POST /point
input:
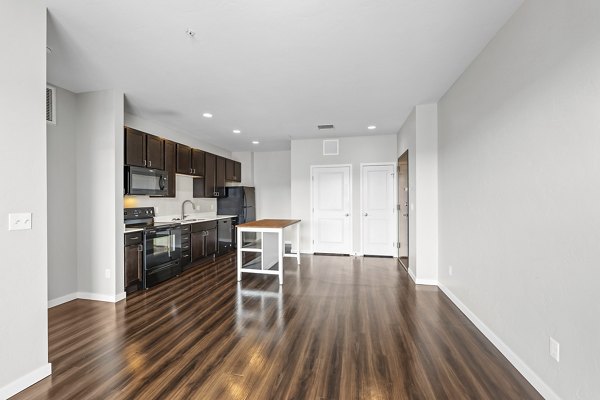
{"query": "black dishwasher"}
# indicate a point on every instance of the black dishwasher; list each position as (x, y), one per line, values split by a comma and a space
(225, 235)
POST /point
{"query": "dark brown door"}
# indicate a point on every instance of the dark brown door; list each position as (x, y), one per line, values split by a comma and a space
(220, 178)
(198, 246)
(210, 174)
(211, 242)
(197, 162)
(237, 176)
(170, 167)
(155, 152)
(135, 147)
(229, 170)
(184, 159)
(133, 265)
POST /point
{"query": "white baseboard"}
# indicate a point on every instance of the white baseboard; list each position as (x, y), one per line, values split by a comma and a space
(512, 357)
(86, 296)
(101, 297)
(25, 381)
(412, 276)
(428, 282)
(61, 300)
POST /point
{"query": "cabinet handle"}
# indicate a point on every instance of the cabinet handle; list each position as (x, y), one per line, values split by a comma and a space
(140, 248)
(150, 163)
(144, 163)
(134, 238)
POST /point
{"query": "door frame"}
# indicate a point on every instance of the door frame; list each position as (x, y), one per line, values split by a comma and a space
(395, 194)
(398, 215)
(312, 205)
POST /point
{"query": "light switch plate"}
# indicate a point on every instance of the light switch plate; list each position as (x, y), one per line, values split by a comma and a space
(19, 221)
(554, 349)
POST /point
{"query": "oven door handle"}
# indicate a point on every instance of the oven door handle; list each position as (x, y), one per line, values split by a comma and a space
(172, 248)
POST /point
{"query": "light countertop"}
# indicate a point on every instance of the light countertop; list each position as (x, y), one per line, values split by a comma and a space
(192, 219)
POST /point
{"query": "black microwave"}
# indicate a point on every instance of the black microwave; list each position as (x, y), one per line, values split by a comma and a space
(146, 181)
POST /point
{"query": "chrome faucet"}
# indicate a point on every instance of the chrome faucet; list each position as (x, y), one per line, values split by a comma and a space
(183, 208)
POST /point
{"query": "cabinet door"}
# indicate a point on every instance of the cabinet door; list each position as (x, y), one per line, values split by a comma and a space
(237, 177)
(170, 167)
(133, 265)
(184, 159)
(135, 147)
(197, 244)
(229, 170)
(211, 242)
(197, 162)
(220, 178)
(210, 161)
(155, 152)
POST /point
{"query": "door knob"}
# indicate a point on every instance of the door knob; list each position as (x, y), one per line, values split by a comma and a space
(347, 215)
(366, 214)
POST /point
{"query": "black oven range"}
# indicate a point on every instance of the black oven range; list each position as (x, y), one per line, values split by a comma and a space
(162, 245)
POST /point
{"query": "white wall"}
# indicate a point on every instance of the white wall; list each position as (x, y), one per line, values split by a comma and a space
(99, 141)
(354, 151)
(519, 174)
(23, 286)
(419, 135)
(272, 175)
(62, 197)
(426, 205)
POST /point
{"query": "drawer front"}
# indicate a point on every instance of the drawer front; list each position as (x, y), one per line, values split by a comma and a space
(204, 226)
(185, 229)
(186, 257)
(133, 238)
(185, 238)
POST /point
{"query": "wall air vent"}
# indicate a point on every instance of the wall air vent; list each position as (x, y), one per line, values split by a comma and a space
(51, 105)
(331, 147)
(326, 126)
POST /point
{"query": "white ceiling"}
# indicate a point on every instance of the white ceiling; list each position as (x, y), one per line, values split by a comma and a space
(272, 68)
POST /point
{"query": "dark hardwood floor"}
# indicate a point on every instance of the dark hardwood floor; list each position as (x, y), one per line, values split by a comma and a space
(339, 328)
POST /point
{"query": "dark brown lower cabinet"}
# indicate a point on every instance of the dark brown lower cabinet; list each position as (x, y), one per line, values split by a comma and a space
(134, 259)
(203, 240)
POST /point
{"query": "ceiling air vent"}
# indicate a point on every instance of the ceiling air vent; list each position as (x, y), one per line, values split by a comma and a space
(50, 105)
(331, 147)
(326, 126)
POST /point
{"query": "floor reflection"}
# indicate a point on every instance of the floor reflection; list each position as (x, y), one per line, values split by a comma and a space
(259, 308)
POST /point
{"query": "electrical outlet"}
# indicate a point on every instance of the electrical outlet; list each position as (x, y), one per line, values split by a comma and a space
(19, 221)
(107, 273)
(450, 271)
(554, 349)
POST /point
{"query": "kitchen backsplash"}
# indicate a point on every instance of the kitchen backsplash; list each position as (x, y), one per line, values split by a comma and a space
(172, 206)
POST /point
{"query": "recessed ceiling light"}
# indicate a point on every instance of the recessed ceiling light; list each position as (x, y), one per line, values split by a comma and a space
(190, 33)
(371, 127)
(207, 115)
(255, 142)
(237, 131)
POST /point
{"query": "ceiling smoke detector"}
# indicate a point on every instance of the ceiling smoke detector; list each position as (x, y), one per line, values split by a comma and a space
(190, 33)
(326, 126)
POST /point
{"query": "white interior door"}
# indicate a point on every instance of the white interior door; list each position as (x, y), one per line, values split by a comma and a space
(378, 210)
(332, 222)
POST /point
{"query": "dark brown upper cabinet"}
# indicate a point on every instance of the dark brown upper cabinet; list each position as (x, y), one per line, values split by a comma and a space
(189, 161)
(233, 171)
(210, 174)
(155, 152)
(171, 166)
(184, 159)
(237, 177)
(198, 162)
(143, 150)
(220, 177)
(213, 182)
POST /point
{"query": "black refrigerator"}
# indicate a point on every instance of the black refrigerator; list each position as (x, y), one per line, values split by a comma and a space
(240, 202)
